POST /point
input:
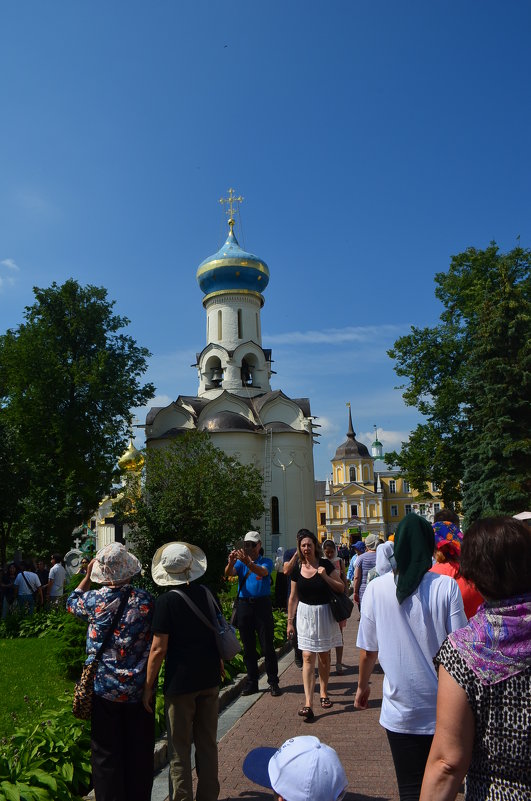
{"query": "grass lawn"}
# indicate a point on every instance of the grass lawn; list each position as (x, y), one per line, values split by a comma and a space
(28, 669)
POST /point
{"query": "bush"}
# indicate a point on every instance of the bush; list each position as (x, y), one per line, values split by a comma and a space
(49, 761)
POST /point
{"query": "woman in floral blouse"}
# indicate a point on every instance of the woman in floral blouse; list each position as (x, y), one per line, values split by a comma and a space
(122, 731)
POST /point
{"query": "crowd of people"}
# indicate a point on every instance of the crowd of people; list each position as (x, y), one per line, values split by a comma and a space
(27, 585)
(453, 642)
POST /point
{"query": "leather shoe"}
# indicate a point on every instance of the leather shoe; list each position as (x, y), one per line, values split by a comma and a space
(250, 689)
(275, 690)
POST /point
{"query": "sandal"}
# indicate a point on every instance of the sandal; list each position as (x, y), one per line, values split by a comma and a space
(306, 712)
(339, 669)
(325, 702)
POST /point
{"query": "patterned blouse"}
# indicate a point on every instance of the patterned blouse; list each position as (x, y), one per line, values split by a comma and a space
(122, 670)
(500, 769)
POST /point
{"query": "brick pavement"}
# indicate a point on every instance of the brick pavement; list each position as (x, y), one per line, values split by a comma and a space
(356, 735)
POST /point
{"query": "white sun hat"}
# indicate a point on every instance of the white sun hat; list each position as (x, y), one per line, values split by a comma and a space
(178, 563)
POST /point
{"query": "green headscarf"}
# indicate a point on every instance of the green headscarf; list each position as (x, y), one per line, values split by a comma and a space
(414, 546)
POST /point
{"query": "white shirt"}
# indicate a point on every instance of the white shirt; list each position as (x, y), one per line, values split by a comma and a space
(407, 636)
(57, 575)
(31, 578)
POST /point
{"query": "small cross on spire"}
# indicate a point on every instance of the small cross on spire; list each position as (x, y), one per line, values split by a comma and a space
(231, 200)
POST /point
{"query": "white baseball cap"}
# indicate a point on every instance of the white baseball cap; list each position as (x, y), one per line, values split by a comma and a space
(252, 536)
(303, 769)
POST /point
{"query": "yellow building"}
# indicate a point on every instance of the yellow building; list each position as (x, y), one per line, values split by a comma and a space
(360, 499)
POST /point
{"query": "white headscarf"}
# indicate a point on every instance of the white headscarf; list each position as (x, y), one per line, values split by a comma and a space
(385, 560)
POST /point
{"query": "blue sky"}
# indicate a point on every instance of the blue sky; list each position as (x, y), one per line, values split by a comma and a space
(371, 141)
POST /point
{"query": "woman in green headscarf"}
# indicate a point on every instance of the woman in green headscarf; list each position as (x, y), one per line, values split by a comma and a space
(405, 617)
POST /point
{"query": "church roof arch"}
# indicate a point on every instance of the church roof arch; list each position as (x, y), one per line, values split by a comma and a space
(281, 409)
(246, 349)
(214, 349)
(225, 402)
(161, 419)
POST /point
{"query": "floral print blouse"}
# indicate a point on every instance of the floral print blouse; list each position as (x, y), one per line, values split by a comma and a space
(122, 666)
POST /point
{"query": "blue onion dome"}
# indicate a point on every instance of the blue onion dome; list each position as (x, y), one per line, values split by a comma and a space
(232, 269)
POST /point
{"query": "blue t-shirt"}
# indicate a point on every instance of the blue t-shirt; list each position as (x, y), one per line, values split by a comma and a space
(255, 586)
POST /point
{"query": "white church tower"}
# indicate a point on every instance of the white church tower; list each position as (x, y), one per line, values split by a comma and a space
(235, 403)
(233, 359)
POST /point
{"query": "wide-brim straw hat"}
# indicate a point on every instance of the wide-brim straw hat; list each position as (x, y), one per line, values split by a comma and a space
(114, 565)
(178, 563)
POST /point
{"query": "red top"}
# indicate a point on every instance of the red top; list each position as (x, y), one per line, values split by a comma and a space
(472, 599)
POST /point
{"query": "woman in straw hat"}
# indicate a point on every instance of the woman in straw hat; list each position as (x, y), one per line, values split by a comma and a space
(122, 731)
(192, 674)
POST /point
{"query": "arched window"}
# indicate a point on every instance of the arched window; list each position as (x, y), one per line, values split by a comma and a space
(240, 335)
(352, 473)
(208, 327)
(258, 326)
(275, 516)
(220, 326)
(366, 473)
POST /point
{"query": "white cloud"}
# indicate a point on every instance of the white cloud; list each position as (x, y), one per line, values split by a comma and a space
(391, 440)
(328, 426)
(10, 267)
(334, 336)
(10, 264)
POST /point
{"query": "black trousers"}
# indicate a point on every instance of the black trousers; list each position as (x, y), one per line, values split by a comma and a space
(122, 743)
(255, 616)
(410, 754)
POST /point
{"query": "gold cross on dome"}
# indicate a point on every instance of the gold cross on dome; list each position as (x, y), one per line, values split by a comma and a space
(231, 200)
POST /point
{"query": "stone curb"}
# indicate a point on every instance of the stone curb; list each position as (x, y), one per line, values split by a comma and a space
(226, 696)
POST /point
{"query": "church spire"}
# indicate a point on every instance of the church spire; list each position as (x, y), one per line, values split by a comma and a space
(351, 434)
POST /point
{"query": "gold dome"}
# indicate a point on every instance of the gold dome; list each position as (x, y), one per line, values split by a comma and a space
(132, 459)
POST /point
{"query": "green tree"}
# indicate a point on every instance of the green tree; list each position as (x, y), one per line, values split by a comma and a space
(69, 377)
(469, 377)
(195, 493)
(13, 486)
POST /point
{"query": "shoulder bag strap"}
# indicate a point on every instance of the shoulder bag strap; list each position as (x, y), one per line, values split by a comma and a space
(214, 607)
(32, 591)
(114, 621)
(195, 609)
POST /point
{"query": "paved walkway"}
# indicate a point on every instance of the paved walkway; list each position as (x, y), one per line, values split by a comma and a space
(356, 736)
(262, 720)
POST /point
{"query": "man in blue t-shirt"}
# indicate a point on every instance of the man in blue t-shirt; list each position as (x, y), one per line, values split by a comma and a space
(255, 612)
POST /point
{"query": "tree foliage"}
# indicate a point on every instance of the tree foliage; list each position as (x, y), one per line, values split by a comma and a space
(195, 493)
(470, 378)
(68, 379)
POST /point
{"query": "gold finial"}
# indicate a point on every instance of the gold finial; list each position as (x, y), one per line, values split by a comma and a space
(231, 199)
(348, 405)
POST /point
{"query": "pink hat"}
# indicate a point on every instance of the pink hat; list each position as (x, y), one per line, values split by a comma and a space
(114, 565)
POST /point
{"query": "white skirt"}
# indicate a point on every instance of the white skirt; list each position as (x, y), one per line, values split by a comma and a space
(317, 629)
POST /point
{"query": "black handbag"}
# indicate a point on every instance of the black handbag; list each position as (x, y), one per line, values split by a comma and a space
(341, 605)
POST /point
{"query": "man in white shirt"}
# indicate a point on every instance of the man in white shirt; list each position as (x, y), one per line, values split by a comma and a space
(28, 589)
(56, 579)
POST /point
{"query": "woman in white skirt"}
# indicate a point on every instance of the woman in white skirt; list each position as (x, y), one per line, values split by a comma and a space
(317, 630)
